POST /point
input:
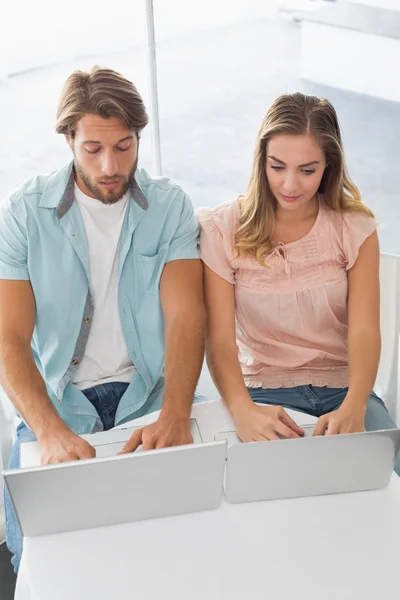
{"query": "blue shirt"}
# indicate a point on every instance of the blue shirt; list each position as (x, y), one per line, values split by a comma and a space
(43, 239)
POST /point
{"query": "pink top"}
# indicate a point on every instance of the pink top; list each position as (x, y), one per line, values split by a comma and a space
(291, 318)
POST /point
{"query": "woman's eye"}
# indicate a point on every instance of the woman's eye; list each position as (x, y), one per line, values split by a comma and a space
(276, 168)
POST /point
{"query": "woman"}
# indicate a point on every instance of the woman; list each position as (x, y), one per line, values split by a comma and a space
(292, 284)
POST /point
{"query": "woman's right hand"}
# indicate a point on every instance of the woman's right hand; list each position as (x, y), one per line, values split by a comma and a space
(256, 423)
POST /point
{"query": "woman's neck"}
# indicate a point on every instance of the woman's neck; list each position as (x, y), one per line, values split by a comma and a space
(309, 211)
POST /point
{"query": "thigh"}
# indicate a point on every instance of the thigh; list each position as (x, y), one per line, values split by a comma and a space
(377, 416)
(105, 398)
(292, 398)
(329, 399)
(24, 434)
(13, 531)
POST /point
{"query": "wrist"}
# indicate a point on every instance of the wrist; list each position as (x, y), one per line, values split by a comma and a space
(176, 410)
(51, 429)
(356, 402)
(238, 405)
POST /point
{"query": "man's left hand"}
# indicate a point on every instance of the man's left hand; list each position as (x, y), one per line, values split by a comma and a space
(165, 432)
(346, 419)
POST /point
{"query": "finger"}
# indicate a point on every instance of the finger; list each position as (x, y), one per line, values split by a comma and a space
(264, 437)
(182, 440)
(149, 441)
(134, 442)
(285, 418)
(71, 456)
(284, 430)
(272, 436)
(333, 427)
(163, 443)
(320, 427)
(84, 452)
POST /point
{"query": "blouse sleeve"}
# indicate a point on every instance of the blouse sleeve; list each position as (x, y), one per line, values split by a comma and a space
(356, 228)
(215, 243)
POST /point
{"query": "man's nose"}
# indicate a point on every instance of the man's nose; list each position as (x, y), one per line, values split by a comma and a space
(109, 166)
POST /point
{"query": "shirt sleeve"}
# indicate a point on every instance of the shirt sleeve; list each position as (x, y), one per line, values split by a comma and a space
(357, 227)
(13, 241)
(213, 249)
(184, 244)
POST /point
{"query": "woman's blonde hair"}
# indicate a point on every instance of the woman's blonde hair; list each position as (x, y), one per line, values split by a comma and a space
(100, 92)
(294, 114)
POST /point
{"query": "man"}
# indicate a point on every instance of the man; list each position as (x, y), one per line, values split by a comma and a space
(101, 305)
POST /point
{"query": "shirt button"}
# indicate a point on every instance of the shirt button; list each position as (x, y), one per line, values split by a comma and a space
(74, 362)
(86, 320)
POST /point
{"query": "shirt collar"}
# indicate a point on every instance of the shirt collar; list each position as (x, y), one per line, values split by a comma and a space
(59, 191)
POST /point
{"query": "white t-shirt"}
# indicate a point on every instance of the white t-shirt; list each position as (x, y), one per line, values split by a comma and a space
(106, 357)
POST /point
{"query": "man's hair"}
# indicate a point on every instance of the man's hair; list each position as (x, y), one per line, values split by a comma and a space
(100, 92)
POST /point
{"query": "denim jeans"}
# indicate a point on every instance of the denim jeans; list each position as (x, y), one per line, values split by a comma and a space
(105, 398)
(318, 401)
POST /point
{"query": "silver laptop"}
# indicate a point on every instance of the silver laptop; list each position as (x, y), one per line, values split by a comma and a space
(309, 466)
(117, 489)
(106, 443)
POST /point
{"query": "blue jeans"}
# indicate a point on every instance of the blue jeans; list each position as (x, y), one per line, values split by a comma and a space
(105, 398)
(318, 401)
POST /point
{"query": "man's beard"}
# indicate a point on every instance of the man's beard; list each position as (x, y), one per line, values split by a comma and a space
(107, 196)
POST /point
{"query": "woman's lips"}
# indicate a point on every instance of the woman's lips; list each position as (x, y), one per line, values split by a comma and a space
(290, 198)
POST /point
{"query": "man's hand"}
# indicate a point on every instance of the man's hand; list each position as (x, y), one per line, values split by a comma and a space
(165, 432)
(63, 446)
(260, 423)
(346, 419)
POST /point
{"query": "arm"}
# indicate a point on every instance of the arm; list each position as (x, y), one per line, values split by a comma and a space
(18, 372)
(181, 292)
(221, 349)
(252, 422)
(364, 336)
(22, 381)
(364, 341)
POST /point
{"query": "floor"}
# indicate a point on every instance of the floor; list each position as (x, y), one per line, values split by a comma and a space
(7, 576)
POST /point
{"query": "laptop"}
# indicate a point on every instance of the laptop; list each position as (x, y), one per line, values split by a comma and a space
(308, 466)
(106, 443)
(110, 490)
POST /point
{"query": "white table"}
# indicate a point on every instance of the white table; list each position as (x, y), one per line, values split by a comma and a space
(341, 547)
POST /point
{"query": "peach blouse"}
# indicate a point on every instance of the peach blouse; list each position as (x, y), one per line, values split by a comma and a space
(291, 316)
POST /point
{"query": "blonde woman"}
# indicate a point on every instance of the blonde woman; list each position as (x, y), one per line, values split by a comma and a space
(292, 284)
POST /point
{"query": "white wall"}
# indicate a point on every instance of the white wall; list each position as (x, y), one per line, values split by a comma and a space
(44, 32)
(391, 4)
(351, 60)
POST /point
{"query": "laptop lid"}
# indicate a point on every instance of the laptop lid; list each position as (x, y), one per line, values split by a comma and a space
(309, 466)
(117, 489)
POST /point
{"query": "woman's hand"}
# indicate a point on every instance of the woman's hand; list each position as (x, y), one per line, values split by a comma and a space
(346, 419)
(260, 423)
